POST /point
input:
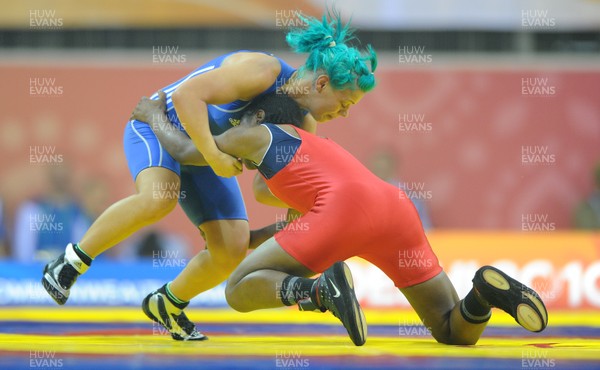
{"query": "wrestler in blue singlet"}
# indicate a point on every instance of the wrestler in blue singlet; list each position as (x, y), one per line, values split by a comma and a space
(207, 197)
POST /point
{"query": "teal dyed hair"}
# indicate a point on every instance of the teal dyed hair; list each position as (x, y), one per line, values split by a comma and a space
(325, 42)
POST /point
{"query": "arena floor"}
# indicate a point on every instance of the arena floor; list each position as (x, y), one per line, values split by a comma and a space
(122, 338)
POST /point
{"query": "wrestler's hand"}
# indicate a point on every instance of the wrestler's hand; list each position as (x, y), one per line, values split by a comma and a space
(148, 110)
(223, 164)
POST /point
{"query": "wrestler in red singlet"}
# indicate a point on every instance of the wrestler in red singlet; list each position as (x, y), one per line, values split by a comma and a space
(347, 211)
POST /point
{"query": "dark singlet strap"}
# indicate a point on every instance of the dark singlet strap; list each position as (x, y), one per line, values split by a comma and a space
(281, 151)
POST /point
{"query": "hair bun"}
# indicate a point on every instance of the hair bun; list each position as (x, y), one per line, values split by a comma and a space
(326, 43)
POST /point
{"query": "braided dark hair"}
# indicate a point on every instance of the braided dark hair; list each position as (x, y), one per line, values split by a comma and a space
(279, 109)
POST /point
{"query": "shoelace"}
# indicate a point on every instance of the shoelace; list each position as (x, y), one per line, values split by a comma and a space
(327, 298)
(188, 327)
(67, 276)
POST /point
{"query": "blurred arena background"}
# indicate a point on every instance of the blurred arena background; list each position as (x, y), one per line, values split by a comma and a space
(486, 114)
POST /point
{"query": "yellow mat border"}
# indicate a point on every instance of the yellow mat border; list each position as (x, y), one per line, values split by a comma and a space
(272, 346)
(272, 316)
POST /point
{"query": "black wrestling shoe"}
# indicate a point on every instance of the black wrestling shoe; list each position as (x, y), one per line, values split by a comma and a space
(511, 296)
(159, 309)
(335, 293)
(60, 275)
